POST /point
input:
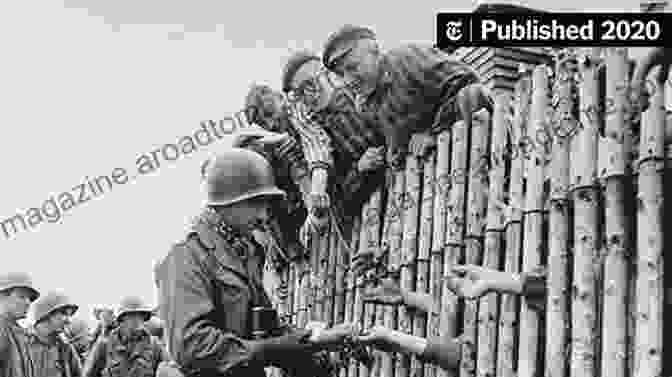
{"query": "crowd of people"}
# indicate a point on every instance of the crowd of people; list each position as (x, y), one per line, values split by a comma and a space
(319, 147)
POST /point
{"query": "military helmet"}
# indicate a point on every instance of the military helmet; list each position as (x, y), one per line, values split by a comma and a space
(236, 175)
(12, 280)
(132, 304)
(50, 303)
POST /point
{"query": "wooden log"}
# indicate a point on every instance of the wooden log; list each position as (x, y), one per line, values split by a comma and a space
(424, 248)
(650, 264)
(557, 308)
(440, 218)
(395, 237)
(613, 173)
(508, 326)
(410, 206)
(475, 229)
(583, 169)
(349, 304)
(489, 306)
(533, 215)
(455, 230)
(359, 309)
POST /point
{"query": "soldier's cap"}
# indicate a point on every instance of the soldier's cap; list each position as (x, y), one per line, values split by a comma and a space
(51, 303)
(11, 280)
(338, 43)
(294, 63)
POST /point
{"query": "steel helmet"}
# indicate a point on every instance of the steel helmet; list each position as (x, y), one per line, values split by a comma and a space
(236, 175)
(12, 280)
(50, 303)
(132, 304)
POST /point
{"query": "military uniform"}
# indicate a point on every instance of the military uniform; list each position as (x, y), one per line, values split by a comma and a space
(15, 359)
(54, 357)
(210, 281)
(137, 355)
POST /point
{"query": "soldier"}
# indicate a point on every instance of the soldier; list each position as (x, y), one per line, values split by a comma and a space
(106, 323)
(78, 334)
(130, 350)
(411, 92)
(357, 144)
(16, 295)
(52, 356)
(218, 317)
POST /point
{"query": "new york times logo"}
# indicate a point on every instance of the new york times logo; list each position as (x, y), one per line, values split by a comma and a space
(557, 29)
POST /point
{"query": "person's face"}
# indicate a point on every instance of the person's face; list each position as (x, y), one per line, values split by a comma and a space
(133, 321)
(58, 320)
(249, 215)
(107, 317)
(312, 85)
(360, 67)
(16, 302)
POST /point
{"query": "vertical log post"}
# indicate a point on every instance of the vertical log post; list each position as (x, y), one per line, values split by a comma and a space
(534, 217)
(612, 172)
(455, 237)
(410, 206)
(440, 219)
(424, 247)
(583, 169)
(476, 215)
(508, 326)
(557, 303)
(494, 233)
(649, 301)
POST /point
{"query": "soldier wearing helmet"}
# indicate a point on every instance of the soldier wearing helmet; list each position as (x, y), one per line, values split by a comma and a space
(106, 323)
(217, 315)
(130, 350)
(52, 355)
(79, 336)
(16, 294)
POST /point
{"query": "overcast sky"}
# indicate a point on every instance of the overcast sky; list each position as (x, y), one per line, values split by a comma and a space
(87, 86)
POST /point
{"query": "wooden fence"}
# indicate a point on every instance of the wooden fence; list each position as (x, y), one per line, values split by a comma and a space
(563, 176)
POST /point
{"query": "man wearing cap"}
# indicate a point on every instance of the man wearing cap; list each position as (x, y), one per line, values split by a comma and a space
(130, 350)
(51, 354)
(16, 294)
(357, 144)
(412, 91)
(217, 314)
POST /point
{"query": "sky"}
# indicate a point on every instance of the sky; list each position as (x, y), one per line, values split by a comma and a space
(89, 86)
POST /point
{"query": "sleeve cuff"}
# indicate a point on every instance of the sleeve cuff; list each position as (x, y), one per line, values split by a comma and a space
(445, 354)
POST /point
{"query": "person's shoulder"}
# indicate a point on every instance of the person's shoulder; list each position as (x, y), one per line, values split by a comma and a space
(415, 50)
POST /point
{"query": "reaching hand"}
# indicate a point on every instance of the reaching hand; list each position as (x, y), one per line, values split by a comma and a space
(388, 292)
(335, 337)
(421, 144)
(258, 135)
(372, 159)
(474, 281)
(379, 337)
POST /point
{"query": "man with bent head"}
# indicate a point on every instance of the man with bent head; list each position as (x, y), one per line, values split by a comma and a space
(51, 354)
(16, 295)
(412, 91)
(357, 145)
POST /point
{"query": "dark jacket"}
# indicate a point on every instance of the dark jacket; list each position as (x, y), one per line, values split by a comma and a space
(137, 356)
(54, 357)
(15, 360)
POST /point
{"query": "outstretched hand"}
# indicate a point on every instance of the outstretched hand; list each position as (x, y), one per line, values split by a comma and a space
(473, 281)
(334, 337)
(387, 292)
(258, 135)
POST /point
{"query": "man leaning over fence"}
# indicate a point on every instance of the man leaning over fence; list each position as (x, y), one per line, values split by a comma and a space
(413, 92)
(357, 145)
